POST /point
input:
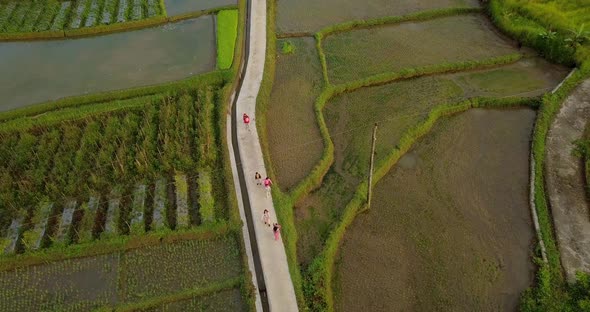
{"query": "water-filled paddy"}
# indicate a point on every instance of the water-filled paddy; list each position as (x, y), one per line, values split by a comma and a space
(178, 7)
(295, 143)
(135, 275)
(361, 53)
(451, 219)
(224, 301)
(311, 15)
(38, 71)
(397, 107)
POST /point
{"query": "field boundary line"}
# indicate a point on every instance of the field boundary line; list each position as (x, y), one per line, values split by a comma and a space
(117, 244)
(322, 267)
(110, 29)
(315, 177)
(183, 295)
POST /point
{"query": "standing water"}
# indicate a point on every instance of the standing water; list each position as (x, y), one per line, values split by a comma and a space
(39, 71)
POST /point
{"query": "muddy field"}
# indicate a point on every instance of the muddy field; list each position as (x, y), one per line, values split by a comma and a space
(450, 227)
(295, 16)
(361, 53)
(110, 62)
(397, 107)
(294, 137)
(223, 301)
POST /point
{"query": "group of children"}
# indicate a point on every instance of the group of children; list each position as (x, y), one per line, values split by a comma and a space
(266, 214)
(276, 228)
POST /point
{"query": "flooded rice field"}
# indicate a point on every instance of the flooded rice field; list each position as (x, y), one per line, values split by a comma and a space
(224, 301)
(111, 62)
(397, 107)
(361, 53)
(295, 149)
(295, 16)
(451, 219)
(135, 275)
(179, 7)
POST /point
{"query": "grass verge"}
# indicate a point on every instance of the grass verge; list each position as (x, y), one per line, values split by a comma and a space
(227, 31)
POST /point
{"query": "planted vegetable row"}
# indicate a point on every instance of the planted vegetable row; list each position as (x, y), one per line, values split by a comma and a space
(121, 172)
(35, 16)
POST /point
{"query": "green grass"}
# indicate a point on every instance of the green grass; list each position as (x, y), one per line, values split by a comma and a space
(227, 31)
(288, 47)
(39, 15)
(558, 29)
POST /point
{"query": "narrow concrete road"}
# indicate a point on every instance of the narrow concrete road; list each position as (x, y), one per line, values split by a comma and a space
(565, 182)
(267, 258)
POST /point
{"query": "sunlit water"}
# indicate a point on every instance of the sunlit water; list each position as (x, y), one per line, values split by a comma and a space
(39, 71)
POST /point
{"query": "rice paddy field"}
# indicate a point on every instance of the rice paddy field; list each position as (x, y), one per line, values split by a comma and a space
(179, 7)
(449, 227)
(127, 277)
(111, 62)
(115, 198)
(357, 54)
(462, 242)
(309, 16)
(295, 149)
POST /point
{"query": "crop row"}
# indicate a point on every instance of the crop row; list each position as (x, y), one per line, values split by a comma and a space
(36, 16)
(170, 270)
(107, 173)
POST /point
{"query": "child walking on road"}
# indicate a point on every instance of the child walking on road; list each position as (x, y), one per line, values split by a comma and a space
(246, 121)
(267, 184)
(266, 217)
(257, 178)
(276, 228)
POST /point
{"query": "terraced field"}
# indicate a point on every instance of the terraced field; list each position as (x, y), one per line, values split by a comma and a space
(135, 169)
(119, 200)
(127, 277)
(404, 73)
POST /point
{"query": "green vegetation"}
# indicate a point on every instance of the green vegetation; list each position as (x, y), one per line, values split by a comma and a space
(325, 217)
(288, 47)
(106, 153)
(40, 19)
(142, 139)
(227, 32)
(307, 16)
(127, 278)
(556, 28)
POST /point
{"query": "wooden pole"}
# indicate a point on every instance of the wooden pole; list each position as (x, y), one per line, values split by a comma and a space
(370, 186)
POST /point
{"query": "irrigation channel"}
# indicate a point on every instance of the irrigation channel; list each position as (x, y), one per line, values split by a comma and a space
(111, 62)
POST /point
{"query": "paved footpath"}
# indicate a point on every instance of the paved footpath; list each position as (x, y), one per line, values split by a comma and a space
(273, 260)
(565, 182)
